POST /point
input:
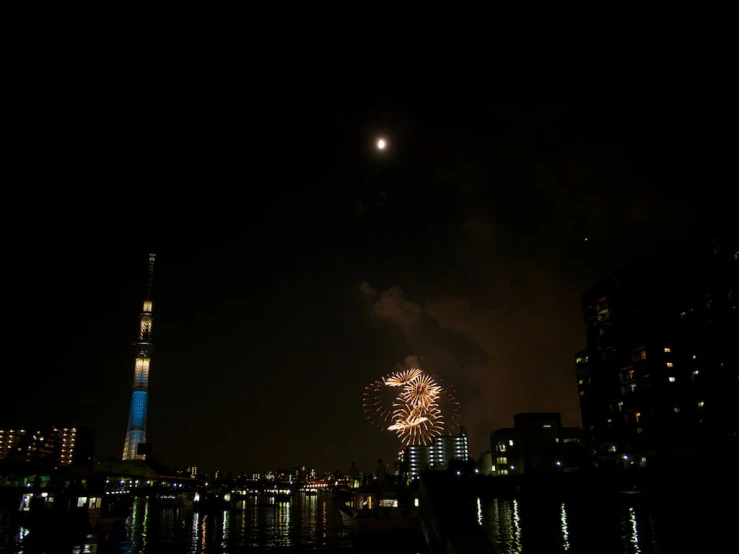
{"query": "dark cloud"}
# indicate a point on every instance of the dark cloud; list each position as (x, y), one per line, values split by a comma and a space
(391, 304)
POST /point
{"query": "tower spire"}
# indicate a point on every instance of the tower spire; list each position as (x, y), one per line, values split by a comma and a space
(143, 347)
(150, 283)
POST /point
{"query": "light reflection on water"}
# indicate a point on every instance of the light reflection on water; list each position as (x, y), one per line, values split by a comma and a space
(565, 531)
(530, 525)
(611, 524)
(255, 524)
(634, 531)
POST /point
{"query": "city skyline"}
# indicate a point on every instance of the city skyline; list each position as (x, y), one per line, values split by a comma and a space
(295, 277)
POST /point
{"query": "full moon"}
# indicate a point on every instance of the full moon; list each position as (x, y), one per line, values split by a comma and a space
(381, 144)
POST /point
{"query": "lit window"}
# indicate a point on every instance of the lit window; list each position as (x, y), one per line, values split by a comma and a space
(510, 442)
(671, 379)
(701, 404)
(669, 364)
(643, 355)
(639, 430)
(696, 372)
(676, 410)
(682, 314)
(667, 350)
(637, 415)
(582, 393)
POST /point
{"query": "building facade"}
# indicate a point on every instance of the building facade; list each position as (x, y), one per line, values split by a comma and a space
(536, 444)
(660, 376)
(143, 347)
(437, 454)
(52, 445)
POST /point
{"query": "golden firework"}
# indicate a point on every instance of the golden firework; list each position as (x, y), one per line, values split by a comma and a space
(413, 404)
(401, 378)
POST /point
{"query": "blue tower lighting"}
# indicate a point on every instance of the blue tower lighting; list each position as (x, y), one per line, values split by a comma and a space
(136, 432)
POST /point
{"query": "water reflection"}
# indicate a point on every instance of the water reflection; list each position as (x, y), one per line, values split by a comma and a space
(565, 531)
(549, 525)
(194, 532)
(203, 532)
(624, 524)
(224, 532)
(255, 523)
(634, 531)
(500, 519)
(324, 525)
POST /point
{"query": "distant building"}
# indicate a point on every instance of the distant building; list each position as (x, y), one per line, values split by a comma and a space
(437, 454)
(73, 446)
(660, 376)
(537, 443)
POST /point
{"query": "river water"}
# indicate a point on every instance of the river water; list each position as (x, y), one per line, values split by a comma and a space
(619, 523)
(258, 524)
(628, 524)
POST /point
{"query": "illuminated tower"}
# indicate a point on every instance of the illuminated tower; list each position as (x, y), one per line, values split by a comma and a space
(136, 433)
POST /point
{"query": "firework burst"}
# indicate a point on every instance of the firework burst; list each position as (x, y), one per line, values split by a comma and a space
(413, 404)
(401, 378)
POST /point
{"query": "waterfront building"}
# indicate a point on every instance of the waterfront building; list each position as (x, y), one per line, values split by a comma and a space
(50, 445)
(143, 347)
(537, 443)
(659, 379)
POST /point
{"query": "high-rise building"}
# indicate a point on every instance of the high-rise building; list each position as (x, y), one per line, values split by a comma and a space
(143, 347)
(437, 454)
(660, 376)
(50, 445)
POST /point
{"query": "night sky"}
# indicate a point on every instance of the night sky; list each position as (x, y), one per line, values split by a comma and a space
(296, 263)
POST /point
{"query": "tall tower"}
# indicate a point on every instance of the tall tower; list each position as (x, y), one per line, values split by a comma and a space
(136, 433)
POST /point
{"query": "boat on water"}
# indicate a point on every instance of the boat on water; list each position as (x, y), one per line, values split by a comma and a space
(170, 500)
(64, 508)
(280, 495)
(113, 511)
(374, 509)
